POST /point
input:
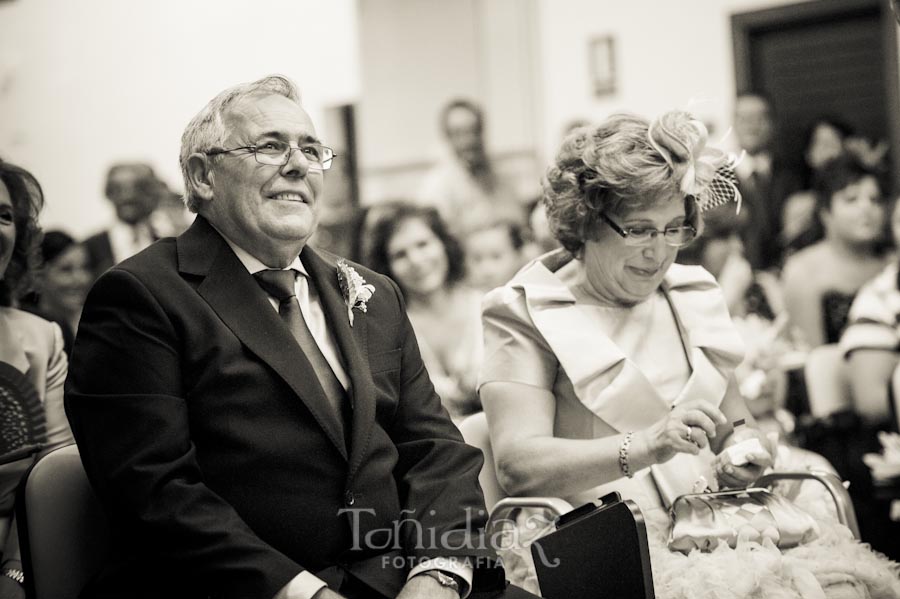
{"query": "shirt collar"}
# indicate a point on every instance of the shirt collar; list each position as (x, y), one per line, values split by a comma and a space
(754, 163)
(252, 263)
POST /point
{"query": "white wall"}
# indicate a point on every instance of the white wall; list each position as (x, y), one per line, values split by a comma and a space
(86, 83)
(667, 53)
(416, 55)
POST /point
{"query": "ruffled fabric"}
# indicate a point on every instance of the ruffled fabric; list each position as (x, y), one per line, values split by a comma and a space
(834, 565)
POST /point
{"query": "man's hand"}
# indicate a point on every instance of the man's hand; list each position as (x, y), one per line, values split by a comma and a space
(10, 589)
(425, 587)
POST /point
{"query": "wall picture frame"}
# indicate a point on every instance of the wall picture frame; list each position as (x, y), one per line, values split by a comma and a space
(603, 64)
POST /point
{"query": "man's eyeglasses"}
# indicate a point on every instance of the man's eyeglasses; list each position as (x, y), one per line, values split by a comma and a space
(673, 236)
(278, 153)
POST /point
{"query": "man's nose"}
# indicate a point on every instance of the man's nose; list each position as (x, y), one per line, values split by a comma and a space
(297, 164)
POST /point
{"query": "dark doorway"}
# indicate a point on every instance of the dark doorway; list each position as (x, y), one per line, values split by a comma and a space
(339, 214)
(832, 57)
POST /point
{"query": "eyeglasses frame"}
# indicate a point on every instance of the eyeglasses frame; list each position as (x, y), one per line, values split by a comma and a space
(290, 152)
(625, 234)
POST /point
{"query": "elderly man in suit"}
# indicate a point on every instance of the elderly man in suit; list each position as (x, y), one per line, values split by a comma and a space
(253, 414)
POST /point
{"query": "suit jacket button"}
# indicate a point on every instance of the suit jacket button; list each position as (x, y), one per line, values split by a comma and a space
(349, 499)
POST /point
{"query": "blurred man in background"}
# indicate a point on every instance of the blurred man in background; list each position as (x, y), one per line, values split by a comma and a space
(763, 178)
(466, 179)
(135, 192)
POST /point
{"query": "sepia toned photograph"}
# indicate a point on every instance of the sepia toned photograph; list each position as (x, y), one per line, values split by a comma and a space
(450, 299)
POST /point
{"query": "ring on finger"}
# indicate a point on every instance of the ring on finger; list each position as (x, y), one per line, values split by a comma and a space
(689, 437)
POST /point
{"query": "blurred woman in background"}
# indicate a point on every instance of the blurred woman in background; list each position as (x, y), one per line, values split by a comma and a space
(32, 363)
(411, 244)
(495, 248)
(821, 280)
(823, 142)
(62, 284)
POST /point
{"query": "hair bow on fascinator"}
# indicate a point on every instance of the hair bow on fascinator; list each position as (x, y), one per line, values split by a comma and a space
(709, 176)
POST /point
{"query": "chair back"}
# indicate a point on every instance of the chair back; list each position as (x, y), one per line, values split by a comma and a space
(827, 385)
(474, 430)
(894, 398)
(63, 533)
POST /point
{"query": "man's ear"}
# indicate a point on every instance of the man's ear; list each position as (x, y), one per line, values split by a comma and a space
(200, 175)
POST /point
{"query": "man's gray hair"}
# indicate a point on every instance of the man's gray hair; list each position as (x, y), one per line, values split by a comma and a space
(206, 131)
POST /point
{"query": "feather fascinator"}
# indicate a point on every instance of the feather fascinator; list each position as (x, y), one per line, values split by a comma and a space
(708, 172)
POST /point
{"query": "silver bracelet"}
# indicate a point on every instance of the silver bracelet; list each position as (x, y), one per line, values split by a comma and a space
(623, 454)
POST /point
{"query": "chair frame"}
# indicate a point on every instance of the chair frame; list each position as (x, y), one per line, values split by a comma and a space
(83, 541)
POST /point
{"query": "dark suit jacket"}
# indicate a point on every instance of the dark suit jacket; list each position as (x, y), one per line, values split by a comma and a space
(759, 223)
(100, 254)
(211, 444)
(764, 202)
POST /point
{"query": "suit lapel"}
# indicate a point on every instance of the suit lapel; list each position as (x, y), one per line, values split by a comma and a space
(244, 308)
(353, 345)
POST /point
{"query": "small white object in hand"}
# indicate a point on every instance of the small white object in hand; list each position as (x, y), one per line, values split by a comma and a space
(701, 485)
(737, 453)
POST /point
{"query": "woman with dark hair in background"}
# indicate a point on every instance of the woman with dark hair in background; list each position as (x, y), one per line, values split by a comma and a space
(412, 245)
(62, 284)
(825, 139)
(823, 142)
(32, 363)
(821, 280)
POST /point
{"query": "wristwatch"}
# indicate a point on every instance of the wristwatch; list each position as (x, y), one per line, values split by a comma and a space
(15, 574)
(445, 580)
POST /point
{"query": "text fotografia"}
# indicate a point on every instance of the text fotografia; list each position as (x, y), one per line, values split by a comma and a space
(409, 535)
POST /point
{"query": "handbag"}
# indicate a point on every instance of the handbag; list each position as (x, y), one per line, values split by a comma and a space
(596, 551)
(703, 520)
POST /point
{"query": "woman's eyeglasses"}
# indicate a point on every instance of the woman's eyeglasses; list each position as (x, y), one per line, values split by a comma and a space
(674, 236)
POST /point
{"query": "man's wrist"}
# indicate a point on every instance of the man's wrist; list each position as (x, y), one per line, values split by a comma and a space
(445, 580)
(458, 568)
(14, 574)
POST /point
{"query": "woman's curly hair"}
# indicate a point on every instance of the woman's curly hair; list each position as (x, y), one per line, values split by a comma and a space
(615, 167)
(27, 200)
(383, 222)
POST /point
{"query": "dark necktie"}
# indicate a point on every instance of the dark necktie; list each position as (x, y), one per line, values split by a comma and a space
(280, 285)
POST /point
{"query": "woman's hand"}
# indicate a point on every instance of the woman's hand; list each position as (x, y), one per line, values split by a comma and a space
(686, 429)
(730, 475)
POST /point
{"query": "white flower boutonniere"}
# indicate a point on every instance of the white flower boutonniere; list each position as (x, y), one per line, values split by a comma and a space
(355, 289)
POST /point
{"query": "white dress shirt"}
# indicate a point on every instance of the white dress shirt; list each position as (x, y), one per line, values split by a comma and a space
(761, 164)
(307, 584)
(127, 240)
(310, 307)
